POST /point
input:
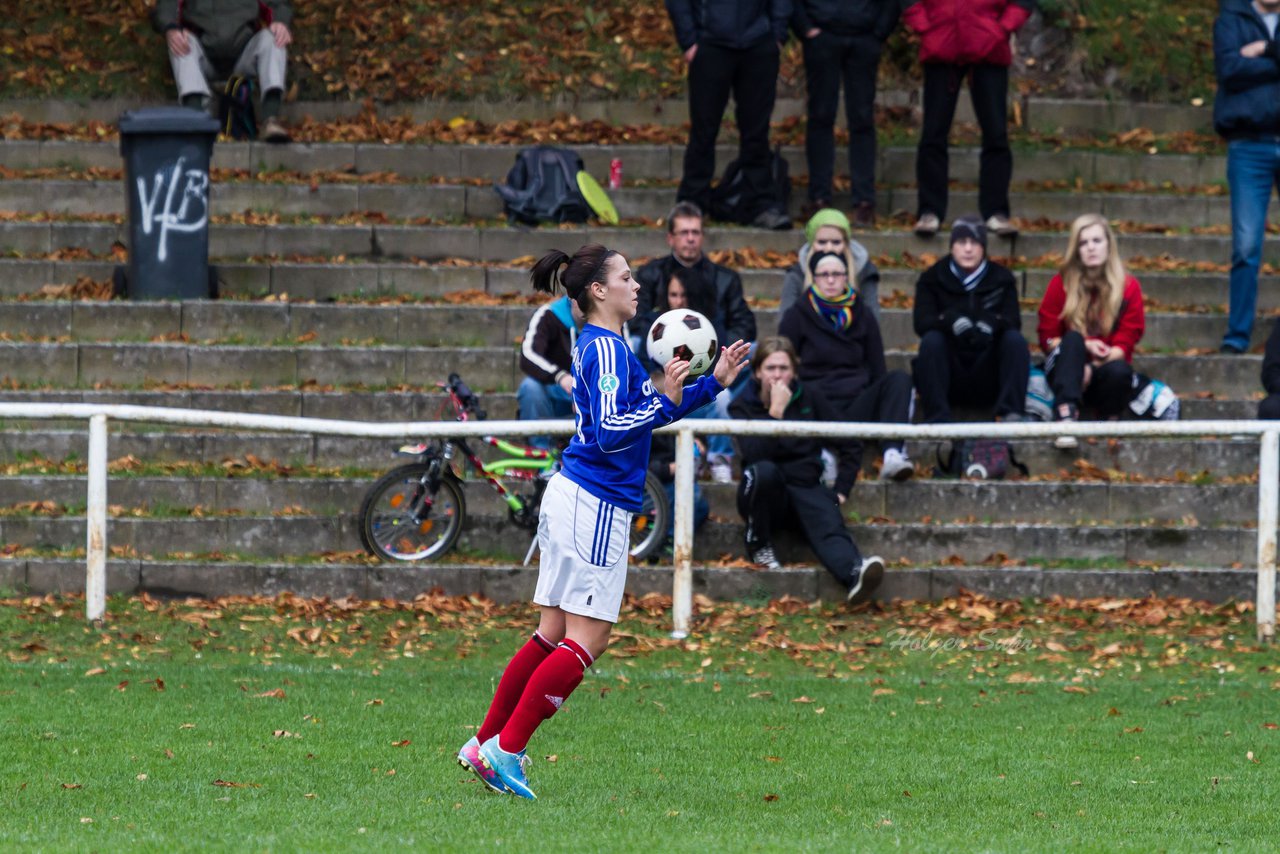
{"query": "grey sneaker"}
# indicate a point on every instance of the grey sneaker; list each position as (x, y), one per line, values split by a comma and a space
(772, 219)
(273, 131)
(763, 557)
(896, 465)
(1002, 225)
(867, 580)
(927, 225)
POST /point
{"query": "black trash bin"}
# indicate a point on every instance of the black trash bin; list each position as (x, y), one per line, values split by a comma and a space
(166, 154)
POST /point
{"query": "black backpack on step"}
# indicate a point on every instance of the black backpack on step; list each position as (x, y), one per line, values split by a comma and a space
(727, 202)
(542, 186)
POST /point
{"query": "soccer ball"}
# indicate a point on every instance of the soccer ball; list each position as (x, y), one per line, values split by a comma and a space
(683, 333)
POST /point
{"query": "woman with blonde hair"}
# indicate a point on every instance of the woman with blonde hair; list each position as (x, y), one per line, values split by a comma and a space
(1091, 318)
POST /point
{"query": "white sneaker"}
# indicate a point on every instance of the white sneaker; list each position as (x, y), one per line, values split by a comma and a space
(869, 577)
(764, 557)
(721, 469)
(829, 468)
(1066, 443)
(896, 465)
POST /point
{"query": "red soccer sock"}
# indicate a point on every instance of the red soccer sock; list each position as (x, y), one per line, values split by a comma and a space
(548, 688)
(511, 685)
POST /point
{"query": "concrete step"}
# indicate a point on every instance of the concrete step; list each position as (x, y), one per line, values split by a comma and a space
(429, 325)
(495, 536)
(640, 162)
(1002, 501)
(137, 365)
(1050, 115)
(507, 583)
(457, 202)
(370, 279)
(1218, 456)
(489, 243)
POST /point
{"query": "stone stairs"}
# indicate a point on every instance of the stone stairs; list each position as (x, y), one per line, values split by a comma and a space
(357, 293)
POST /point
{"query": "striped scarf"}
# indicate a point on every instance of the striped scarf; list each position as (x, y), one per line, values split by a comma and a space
(839, 311)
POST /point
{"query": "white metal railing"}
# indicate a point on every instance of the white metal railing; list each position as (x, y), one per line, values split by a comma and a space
(1268, 433)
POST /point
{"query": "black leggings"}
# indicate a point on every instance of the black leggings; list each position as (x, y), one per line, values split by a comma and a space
(1110, 389)
(766, 501)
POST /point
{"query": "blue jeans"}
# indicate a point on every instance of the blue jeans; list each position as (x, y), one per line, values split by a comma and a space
(542, 400)
(1253, 169)
(701, 507)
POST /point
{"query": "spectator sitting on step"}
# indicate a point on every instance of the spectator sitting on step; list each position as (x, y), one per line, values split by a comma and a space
(733, 317)
(222, 38)
(966, 314)
(687, 289)
(1269, 406)
(1091, 318)
(828, 230)
(546, 358)
(781, 488)
(841, 353)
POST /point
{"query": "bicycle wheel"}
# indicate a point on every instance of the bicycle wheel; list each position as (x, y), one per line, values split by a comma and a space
(649, 526)
(401, 519)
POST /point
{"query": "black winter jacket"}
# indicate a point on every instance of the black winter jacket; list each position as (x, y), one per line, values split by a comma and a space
(846, 17)
(729, 23)
(1248, 99)
(838, 363)
(734, 319)
(941, 299)
(799, 458)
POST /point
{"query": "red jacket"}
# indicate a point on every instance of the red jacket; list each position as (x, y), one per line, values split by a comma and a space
(1125, 333)
(966, 32)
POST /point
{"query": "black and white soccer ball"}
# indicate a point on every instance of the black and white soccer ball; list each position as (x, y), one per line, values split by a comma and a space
(683, 333)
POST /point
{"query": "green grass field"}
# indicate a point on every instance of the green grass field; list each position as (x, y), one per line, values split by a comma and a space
(293, 725)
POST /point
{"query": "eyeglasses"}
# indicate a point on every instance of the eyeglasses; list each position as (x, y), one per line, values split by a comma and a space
(831, 275)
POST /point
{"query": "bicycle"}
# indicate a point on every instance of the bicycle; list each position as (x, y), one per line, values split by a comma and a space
(416, 512)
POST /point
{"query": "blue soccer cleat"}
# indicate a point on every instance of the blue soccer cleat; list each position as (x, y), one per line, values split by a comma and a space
(469, 758)
(510, 768)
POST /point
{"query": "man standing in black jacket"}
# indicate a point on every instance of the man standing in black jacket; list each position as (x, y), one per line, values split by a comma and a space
(842, 42)
(731, 46)
(966, 314)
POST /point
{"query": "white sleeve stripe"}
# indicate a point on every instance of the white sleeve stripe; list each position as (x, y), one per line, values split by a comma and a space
(526, 347)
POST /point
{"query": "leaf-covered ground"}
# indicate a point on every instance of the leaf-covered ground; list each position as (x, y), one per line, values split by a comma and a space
(512, 49)
(293, 724)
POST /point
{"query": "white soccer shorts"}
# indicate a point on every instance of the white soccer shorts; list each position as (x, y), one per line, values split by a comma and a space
(584, 543)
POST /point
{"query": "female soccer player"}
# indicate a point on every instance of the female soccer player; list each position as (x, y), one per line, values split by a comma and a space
(587, 506)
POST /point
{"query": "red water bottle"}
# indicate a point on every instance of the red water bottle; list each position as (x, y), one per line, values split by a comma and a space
(615, 173)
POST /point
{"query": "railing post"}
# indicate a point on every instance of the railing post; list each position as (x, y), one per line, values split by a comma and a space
(682, 568)
(1268, 488)
(95, 578)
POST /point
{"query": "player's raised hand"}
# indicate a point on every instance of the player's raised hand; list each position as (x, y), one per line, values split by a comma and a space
(732, 359)
(673, 386)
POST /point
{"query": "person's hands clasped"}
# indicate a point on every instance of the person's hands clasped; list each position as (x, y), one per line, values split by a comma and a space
(732, 360)
(673, 381)
(179, 41)
(281, 34)
(1099, 350)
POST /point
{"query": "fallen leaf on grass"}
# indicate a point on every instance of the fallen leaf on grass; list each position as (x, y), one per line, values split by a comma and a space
(78, 786)
(881, 692)
(97, 671)
(227, 784)
(404, 743)
(275, 694)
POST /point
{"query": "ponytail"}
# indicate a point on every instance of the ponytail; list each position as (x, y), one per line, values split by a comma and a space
(546, 272)
(586, 266)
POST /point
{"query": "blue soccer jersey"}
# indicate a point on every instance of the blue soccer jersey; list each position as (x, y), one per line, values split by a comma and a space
(616, 409)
